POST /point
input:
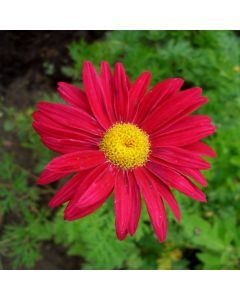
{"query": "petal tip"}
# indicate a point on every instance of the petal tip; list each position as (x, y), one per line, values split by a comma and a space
(121, 234)
(52, 205)
(40, 181)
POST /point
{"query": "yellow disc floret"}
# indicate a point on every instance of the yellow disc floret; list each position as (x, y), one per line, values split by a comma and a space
(126, 145)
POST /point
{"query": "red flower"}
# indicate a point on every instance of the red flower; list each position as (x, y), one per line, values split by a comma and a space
(116, 136)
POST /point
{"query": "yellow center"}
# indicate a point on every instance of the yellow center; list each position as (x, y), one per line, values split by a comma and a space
(126, 145)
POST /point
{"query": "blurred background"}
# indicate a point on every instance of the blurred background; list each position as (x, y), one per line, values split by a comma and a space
(33, 236)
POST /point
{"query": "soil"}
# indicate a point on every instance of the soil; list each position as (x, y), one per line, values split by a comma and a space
(23, 78)
(24, 55)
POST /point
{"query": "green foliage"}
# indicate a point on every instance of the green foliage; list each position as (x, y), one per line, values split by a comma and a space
(93, 237)
(208, 236)
(23, 242)
(13, 185)
(219, 241)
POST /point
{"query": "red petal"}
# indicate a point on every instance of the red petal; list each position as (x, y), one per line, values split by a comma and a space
(136, 204)
(69, 117)
(183, 138)
(174, 109)
(193, 173)
(73, 95)
(153, 202)
(81, 212)
(76, 161)
(201, 149)
(169, 199)
(92, 192)
(177, 181)
(122, 204)
(64, 146)
(127, 204)
(48, 176)
(157, 96)
(137, 91)
(64, 133)
(180, 157)
(186, 123)
(68, 189)
(121, 100)
(95, 94)
(167, 195)
(107, 85)
(40, 118)
(128, 82)
(187, 132)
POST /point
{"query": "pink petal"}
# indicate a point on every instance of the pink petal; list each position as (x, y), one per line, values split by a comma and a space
(121, 97)
(61, 138)
(153, 202)
(177, 181)
(186, 123)
(193, 173)
(166, 195)
(68, 189)
(137, 91)
(122, 204)
(180, 157)
(69, 117)
(92, 192)
(81, 212)
(174, 109)
(107, 85)
(128, 82)
(40, 118)
(201, 149)
(64, 133)
(76, 161)
(169, 198)
(73, 95)
(157, 96)
(182, 134)
(95, 94)
(136, 204)
(64, 146)
(48, 176)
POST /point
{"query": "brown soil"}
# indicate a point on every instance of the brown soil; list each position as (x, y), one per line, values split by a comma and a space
(24, 55)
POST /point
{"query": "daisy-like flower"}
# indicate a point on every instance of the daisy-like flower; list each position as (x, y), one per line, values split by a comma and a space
(116, 136)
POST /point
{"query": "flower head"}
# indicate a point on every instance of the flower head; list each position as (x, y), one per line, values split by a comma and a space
(126, 146)
(116, 136)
